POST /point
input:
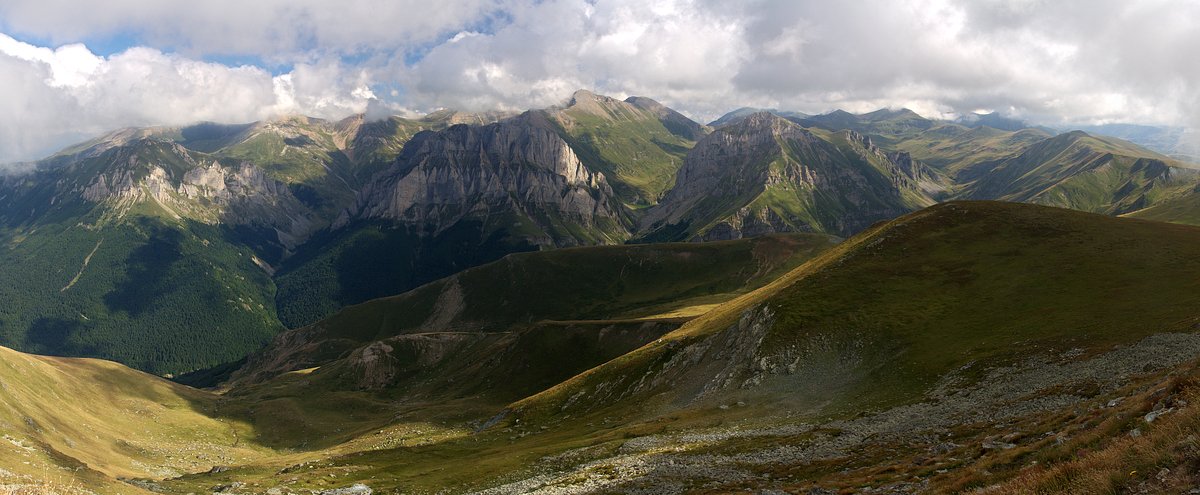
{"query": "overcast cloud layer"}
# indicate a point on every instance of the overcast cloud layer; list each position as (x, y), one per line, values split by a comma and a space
(1047, 61)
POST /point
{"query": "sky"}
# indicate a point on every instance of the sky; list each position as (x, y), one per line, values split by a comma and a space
(73, 69)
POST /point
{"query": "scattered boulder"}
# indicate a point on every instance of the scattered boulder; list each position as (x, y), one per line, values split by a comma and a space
(229, 488)
(1153, 415)
(997, 445)
(356, 489)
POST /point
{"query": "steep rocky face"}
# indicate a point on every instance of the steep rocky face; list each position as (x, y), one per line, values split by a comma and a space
(904, 172)
(156, 177)
(373, 144)
(514, 168)
(767, 174)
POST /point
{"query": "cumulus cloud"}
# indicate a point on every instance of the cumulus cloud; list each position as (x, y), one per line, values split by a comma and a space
(1051, 61)
(1048, 61)
(52, 97)
(676, 51)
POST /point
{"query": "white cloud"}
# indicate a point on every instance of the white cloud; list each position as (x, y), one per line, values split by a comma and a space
(52, 96)
(673, 50)
(1052, 61)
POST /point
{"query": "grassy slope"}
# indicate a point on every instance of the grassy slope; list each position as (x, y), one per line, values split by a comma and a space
(963, 282)
(631, 146)
(951, 147)
(826, 209)
(1111, 459)
(1183, 208)
(955, 283)
(1079, 171)
(84, 422)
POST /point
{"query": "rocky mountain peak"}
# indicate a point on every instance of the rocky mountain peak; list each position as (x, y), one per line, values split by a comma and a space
(582, 96)
(591, 103)
(765, 173)
(764, 120)
(443, 177)
(766, 126)
(646, 103)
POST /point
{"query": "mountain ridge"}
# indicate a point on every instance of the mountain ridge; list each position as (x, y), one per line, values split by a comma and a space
(332, 214)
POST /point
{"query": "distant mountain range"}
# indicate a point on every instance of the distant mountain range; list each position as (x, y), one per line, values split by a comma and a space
(180, 249)
(1176, 142)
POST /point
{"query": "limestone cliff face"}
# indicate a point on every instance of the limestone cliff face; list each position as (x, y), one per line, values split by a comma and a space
(516, 167)
(766, 174)
(188, 185)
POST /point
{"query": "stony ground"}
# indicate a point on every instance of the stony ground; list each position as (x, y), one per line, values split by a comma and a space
(700, 460)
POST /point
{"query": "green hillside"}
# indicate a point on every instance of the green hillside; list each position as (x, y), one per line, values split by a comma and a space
(76, 426)
(600, 284)
(118, 291)
(968, 287)
(630, 143)
(965, 281)
(1182, 208)
(540, 318)
(1082, 172)
(951, 147)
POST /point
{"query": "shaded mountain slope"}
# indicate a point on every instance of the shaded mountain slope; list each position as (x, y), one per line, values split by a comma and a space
(453, 199)
(139, 252)
(1181, 208)
(584, 288)
(966, 282)
(766, 174)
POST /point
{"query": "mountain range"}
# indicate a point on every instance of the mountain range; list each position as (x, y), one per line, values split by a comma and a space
(602, 296)
(175, 250)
